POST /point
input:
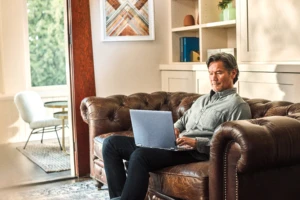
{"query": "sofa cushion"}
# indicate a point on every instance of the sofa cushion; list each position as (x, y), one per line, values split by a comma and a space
(98, 141)
(187, 181)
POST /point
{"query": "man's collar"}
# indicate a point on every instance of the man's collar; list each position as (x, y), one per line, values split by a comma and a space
(223, 93)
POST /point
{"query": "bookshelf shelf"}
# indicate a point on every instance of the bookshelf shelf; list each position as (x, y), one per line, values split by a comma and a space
(221, 24)
(186, 28)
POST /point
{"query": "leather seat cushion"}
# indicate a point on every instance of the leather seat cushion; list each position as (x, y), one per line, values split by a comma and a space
(188, 181)
(98, 141)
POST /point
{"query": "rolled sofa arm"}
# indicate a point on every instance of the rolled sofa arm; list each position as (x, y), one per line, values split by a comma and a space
(105, 115)
(251, 145)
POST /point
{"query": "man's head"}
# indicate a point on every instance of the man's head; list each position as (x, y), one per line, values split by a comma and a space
(223, 71)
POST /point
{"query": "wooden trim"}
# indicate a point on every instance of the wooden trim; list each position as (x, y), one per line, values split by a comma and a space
(82, 77)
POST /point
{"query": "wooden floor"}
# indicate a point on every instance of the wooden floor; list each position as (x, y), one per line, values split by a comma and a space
(16, 169)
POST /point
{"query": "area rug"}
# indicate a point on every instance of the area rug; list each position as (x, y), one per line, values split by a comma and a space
(48, 156)
(84, 190)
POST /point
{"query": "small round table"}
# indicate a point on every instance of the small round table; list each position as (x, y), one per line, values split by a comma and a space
(56, 104)
(63, 115)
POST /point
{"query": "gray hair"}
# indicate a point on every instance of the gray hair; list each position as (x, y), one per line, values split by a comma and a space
(228, 60)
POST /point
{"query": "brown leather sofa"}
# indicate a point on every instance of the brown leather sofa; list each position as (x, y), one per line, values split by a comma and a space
(249, 160)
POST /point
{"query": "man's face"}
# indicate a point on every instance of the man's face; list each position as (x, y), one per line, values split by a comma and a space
(220, 78)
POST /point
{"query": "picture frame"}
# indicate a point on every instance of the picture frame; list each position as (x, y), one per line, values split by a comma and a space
(127, 20)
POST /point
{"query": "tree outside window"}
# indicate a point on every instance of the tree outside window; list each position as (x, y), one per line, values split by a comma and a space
(46, 42)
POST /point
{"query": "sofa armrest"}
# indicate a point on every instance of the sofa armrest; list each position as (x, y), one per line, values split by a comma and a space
(246, 146)
(105, 115)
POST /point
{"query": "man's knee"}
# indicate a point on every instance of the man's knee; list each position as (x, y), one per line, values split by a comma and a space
(138, 155)
(105, 143)
(108, 144)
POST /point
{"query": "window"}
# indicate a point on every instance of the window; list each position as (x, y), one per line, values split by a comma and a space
(46, 42)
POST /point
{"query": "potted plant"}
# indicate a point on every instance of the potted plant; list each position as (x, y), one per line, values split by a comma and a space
(224, 4)
(228, 12)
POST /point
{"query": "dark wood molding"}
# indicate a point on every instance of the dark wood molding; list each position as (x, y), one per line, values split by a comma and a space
(82, 77)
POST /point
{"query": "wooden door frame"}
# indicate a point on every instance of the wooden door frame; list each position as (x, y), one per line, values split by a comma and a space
(82, 78)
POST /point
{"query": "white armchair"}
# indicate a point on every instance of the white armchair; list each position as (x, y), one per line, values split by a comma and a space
(32, 111)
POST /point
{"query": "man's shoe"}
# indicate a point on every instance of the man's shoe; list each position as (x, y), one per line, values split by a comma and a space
(116, 198)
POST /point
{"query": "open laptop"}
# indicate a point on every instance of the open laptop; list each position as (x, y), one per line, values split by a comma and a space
(154, 129)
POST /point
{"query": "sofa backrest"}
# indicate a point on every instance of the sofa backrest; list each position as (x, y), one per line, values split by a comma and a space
(111, 114)
(177, 102)
(265, 108)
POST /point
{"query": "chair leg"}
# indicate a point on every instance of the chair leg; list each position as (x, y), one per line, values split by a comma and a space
(28, 139)
(42, 135)
(58, 138)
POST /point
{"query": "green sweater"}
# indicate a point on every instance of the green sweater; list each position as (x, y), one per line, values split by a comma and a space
(208, 112)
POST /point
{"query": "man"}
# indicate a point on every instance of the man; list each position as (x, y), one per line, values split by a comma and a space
(194, 129)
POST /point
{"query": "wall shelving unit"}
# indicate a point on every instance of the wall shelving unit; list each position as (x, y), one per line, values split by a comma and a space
(212, 33)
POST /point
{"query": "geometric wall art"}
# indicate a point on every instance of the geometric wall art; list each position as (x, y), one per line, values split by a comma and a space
(127, 20)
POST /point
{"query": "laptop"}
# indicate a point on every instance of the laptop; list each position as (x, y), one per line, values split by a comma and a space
(154, 129)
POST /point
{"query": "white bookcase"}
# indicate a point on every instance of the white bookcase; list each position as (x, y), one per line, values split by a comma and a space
(212, 33)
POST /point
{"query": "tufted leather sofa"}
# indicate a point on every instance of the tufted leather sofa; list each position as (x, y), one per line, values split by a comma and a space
(249, 160)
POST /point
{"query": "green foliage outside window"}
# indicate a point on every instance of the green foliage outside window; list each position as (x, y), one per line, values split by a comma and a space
(46, 42)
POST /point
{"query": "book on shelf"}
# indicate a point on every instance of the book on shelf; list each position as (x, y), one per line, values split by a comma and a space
(187, 46)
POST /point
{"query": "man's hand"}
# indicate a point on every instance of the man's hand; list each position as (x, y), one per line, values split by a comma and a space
(191, 142)
(177, 132)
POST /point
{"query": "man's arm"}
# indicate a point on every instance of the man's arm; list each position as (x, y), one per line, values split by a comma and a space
(202, 144)
(180, 123)
(242, 111)
(177, 132)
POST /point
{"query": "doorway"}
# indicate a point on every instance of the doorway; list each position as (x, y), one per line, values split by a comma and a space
(16, 75)
(82, 79)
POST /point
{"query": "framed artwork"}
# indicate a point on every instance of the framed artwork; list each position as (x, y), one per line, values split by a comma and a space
(127, 20)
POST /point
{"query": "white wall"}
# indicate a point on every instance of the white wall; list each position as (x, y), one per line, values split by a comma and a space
(129, 67)
(269, 31)
(13, 46)
(13, 62)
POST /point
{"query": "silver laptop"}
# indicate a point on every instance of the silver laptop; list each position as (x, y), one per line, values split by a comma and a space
(154, 129)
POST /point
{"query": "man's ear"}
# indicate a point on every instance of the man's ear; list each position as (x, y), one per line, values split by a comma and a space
(233, 73)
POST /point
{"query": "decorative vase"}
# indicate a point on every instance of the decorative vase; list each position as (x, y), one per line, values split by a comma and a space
(188, 20)
(221, 16)
(228, 13)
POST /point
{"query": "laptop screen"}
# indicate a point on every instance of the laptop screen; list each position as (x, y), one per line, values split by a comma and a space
(154, 129)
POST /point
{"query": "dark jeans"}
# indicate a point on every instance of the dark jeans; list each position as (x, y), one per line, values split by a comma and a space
(141, 162)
